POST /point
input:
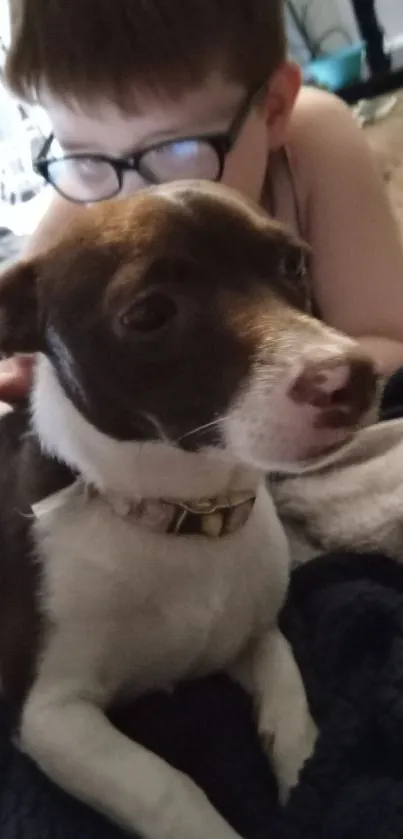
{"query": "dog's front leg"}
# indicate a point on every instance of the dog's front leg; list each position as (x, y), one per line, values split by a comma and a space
(74, 744)
(270, 674)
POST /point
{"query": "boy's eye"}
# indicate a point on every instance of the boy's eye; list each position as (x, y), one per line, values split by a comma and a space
(84, 178)
(182, 159)
(89, 170)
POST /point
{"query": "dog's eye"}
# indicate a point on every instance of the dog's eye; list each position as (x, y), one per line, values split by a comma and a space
(294, 273)
(149, 314)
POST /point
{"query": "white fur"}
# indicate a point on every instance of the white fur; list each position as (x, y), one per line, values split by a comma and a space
(265, 426)
(132, 610)
(4, 409)
(66, 361)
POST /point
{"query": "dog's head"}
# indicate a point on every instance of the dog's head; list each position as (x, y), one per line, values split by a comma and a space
(180, 315)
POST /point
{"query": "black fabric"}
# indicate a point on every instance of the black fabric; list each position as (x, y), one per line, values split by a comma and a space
(373, 35)
(344, 618)
(392, 401)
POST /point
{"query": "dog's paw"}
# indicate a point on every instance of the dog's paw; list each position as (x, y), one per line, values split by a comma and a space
(290, 743)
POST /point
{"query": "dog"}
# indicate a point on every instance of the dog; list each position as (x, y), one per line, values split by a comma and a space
(139, 546)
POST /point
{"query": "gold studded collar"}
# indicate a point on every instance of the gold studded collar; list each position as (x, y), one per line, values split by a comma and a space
(211, 518)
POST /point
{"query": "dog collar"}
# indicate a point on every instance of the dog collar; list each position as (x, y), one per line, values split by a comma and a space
(212, 518)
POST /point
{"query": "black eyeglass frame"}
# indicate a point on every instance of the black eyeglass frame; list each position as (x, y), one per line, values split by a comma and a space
(222, 143)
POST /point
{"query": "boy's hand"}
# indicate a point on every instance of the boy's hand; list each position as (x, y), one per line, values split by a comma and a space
(15, 377)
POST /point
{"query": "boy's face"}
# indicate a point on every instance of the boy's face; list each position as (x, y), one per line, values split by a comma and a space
(102, 128)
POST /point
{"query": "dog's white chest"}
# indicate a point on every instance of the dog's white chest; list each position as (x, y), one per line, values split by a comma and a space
(146, 609)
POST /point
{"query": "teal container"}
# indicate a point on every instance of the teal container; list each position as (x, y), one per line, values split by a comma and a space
(338, 69)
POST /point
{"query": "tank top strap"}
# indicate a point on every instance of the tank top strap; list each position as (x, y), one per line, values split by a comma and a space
(280, 200)
(279, 195)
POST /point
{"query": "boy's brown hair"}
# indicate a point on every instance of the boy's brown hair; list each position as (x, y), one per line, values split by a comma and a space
(95, 48)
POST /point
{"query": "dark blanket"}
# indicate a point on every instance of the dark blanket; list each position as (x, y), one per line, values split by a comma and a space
(344, 618)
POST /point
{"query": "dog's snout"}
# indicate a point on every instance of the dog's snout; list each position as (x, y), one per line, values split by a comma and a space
(341, 389)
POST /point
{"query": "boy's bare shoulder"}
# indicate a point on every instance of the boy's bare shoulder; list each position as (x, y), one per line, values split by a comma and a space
(321, 126)
(324, 142)
(357, 265)
(58, 215)
(312, 101)
(316, 115)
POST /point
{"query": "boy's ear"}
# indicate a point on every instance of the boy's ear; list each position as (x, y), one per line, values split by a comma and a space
(19, 309)
(282, 92)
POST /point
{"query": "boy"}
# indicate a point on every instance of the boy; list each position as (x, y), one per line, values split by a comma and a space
(160, 90)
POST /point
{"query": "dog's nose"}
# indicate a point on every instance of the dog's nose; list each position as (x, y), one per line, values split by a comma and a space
(342, 389)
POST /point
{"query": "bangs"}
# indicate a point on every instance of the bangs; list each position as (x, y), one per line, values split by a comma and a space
(94, 49)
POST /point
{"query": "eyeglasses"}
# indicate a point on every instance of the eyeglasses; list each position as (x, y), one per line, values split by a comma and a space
(87, 178)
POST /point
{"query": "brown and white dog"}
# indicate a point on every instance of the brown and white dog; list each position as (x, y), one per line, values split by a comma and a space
(138, 543)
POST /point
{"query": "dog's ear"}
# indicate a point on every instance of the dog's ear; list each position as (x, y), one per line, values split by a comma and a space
(292, 264)
(19, 315)
(295, 275)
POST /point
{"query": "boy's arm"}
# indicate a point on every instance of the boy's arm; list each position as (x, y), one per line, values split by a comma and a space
(358, 252)
(57, 216)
